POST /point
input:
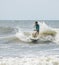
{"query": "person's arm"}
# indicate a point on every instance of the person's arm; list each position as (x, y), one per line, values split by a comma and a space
(34, 27)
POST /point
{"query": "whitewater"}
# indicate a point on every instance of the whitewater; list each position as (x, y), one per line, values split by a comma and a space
(16, 47)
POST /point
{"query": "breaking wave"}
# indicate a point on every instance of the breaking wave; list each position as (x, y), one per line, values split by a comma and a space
(25, 36)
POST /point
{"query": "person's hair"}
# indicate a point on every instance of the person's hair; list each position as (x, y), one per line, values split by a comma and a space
(36, 22)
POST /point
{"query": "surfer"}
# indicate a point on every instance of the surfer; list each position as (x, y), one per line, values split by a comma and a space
(36, 33)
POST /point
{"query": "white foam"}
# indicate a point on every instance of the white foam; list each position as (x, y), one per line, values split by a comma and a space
(21, 36)
(49, 60)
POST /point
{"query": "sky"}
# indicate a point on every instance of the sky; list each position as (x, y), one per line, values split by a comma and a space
(29, 9)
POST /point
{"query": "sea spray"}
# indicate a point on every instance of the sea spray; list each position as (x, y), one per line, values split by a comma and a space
(22, 37)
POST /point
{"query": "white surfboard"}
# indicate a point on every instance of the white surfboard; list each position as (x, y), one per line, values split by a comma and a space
(34, 36)
(34, 39)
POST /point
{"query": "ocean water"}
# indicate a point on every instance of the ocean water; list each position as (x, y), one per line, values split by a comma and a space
(16, 47)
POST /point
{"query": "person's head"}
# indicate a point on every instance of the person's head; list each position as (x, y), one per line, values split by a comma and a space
(36, 23)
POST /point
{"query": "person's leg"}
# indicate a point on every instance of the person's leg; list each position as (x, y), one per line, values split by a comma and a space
(37, 33)
(34, 34)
